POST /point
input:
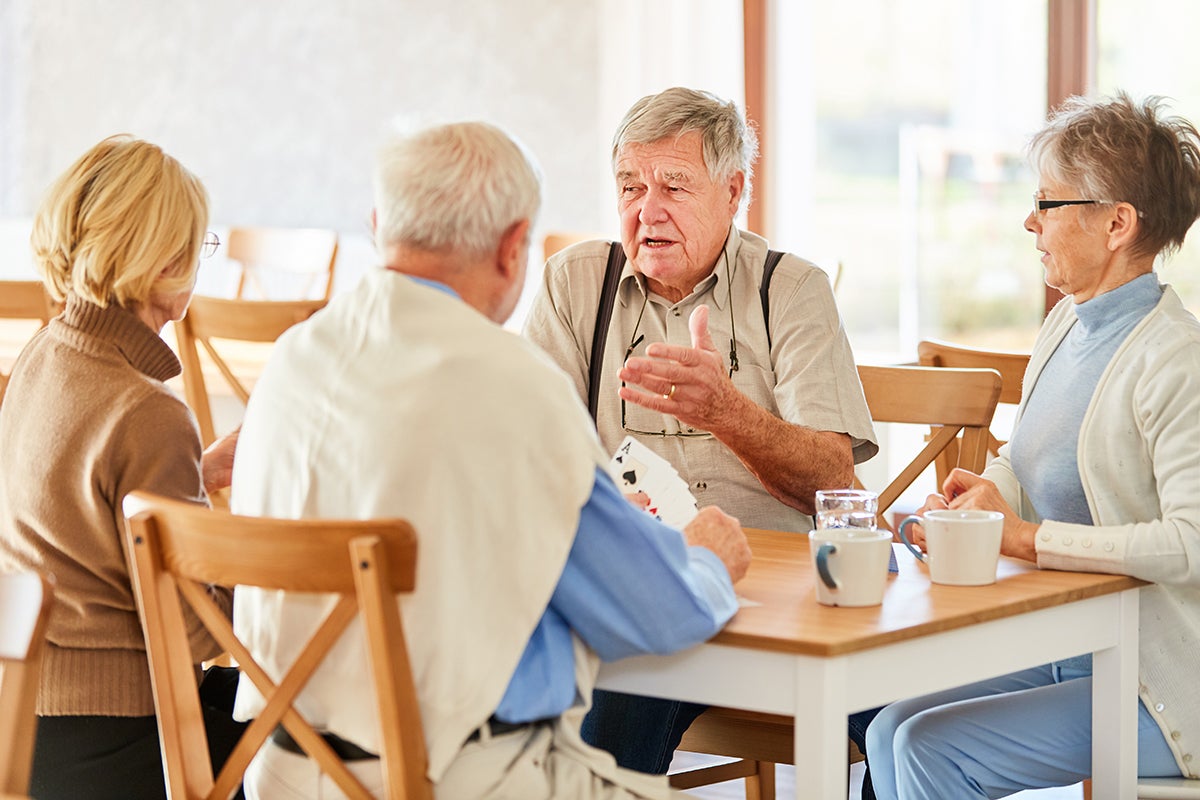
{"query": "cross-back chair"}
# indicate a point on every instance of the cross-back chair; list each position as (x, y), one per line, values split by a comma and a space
(26, 599)
(303, 257)
(959, 404)
(177, 548)
(216, 325)
(1011, 366)
(25, 300)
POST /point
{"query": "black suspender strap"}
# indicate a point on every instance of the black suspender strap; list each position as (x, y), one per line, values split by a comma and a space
(764, 288)
(608, 295)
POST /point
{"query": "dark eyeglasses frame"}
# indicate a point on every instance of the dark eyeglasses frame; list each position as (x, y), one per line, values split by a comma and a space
(1041, 204)
(209, 245)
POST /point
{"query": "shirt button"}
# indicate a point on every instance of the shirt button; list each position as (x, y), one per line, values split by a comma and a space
(1187, 756)
(1067, 540)
(1176, 735)
(1108, 546)
(1159, 707)
(1045, 537)
(1087, 542)
(675, 311)
(701, 486)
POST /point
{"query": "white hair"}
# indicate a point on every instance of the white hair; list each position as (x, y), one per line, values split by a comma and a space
(456, 188)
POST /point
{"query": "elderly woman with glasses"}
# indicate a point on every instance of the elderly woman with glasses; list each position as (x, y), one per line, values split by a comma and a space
(88, 418)
(1102, 473)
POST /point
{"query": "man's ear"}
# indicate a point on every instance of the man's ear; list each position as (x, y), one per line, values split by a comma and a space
(1123, 226)
(737, 185)
(514, 243)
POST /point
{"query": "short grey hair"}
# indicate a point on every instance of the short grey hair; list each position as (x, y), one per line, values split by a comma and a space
(730, 144)
(1115, 150)
(455, 188)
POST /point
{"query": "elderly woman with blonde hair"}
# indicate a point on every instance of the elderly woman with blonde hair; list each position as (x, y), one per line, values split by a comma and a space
(88, 418)
(1101, 472)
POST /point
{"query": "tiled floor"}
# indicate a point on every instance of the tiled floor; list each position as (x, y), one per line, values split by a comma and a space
(785, 783)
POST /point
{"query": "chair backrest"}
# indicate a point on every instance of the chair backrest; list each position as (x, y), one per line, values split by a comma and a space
(25, 602)
(956, 403)
(554, 241)
(304, 256)
(1011, 366)
(24, 300)
(229, 321)
(177, 549)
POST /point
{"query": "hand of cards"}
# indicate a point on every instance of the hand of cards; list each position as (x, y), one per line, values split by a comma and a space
(636, 468)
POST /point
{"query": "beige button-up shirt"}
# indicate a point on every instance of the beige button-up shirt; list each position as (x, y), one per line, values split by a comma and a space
(806, 376)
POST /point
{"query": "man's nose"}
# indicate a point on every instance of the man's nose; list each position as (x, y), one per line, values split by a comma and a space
(653, 209)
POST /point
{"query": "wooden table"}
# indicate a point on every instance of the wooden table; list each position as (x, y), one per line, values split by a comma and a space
(784, 653)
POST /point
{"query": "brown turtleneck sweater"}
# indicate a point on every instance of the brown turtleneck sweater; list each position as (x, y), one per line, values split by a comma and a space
(86, 420)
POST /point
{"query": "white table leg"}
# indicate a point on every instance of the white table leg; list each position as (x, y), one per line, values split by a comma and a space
(1114, 709)
(820, 746)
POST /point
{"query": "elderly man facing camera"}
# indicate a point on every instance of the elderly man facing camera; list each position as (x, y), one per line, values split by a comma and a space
(735, 370)
(406, 398)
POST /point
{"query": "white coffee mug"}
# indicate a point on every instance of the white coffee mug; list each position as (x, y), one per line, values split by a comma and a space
(851, 565)
(962, 546)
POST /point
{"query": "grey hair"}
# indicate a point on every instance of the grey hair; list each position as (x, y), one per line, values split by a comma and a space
(455, 188)
(1117, 151)
(730, 144)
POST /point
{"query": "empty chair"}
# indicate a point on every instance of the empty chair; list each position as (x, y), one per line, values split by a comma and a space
(960, 404)
(215, 324)
(25, 602)
(178, 548)
(283, 263)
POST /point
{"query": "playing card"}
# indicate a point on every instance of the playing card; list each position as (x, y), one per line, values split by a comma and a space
(636, 468)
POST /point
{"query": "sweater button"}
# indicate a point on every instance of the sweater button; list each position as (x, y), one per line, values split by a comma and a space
(1159, 707)
(1176, 735)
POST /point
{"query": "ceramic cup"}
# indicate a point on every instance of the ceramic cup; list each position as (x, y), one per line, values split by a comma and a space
(962, 547)
(851, 565)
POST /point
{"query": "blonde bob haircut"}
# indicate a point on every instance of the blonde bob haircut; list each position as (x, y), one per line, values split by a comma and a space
(123, 222)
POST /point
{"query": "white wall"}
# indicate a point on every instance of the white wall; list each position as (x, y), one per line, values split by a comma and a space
(278, 106)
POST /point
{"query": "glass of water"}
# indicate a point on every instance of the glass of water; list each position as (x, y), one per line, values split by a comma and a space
(846, 508)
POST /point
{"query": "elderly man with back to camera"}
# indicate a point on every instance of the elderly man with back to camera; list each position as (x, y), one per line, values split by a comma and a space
(531, 562)
(1101, 471)
(727, 359)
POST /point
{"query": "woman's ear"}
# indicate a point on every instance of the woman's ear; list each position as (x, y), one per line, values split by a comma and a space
(1123, 226)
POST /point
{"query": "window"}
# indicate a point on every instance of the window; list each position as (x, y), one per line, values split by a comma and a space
(897, 138)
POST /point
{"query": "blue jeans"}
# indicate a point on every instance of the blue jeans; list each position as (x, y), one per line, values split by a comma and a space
(641, 732)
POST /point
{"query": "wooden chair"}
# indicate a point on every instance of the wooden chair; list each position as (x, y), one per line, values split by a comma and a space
(959, 403)
(554, 241)
(215, 318)
(25, 300)
(25, 602)
(178, 548)
(1010, 365)
(304, 256)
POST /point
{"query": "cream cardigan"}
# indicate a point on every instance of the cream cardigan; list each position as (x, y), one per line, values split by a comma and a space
(1139, 461)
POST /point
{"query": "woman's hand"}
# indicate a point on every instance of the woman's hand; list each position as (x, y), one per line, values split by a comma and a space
(216, 462)
(916, 531)
(967, 490)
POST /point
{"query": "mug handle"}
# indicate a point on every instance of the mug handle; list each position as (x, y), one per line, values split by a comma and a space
(914, 519)
(823, 554)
